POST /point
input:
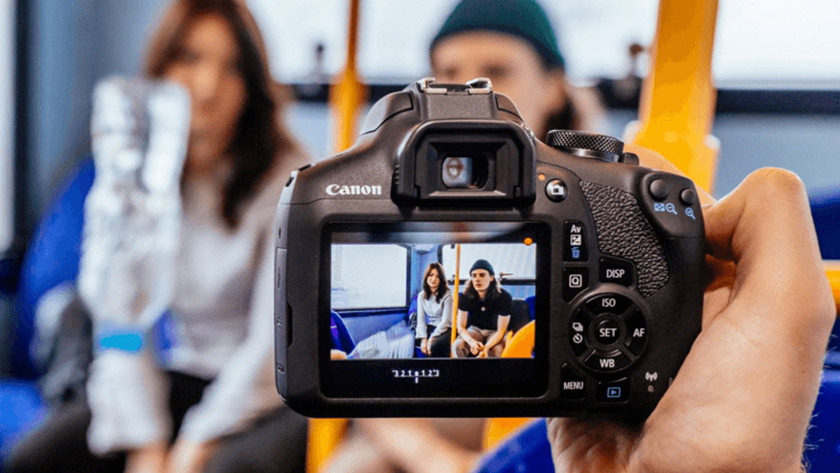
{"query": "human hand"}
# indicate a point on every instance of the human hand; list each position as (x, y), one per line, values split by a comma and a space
(187, 456)
(744, 395)
(149, 459)
(424, 346)
(475, 346)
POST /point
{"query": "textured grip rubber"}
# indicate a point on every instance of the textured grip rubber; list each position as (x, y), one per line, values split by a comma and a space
(623, 231)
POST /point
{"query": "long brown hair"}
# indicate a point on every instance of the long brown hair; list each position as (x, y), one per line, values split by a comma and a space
(494, 290)
(443, 286)
(260, 135)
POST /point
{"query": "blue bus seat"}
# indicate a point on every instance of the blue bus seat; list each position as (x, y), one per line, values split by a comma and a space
(52, 258)
(823, 443)
(526, 450)
(519, 315)
(532, 302)
(21, 409)
(342, 340)
(825, 209)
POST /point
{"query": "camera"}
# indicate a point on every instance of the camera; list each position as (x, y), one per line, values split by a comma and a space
(585, 268)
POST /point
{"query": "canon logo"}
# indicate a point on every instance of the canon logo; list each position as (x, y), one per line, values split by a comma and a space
(335, 189)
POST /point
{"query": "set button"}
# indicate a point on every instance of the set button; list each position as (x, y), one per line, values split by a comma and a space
(607, 331)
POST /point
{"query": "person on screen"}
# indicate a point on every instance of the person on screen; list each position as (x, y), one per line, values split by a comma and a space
(218, 408)
(483, 315)
(434, 313)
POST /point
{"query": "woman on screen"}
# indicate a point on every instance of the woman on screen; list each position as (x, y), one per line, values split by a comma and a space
(434, 303)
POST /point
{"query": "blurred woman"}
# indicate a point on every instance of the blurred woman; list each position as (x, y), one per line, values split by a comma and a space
(222, 412)
(435, 303)
(513, 44)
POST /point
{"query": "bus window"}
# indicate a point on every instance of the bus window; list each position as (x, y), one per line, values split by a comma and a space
(365, 276)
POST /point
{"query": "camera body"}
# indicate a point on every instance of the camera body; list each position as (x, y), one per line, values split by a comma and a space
(601, 259)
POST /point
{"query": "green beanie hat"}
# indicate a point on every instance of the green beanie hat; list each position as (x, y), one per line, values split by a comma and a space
(524, 19)
(482, 264)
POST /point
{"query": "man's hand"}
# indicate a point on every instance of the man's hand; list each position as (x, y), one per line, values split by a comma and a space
(424, 345)
(743, 398)
(475, 346)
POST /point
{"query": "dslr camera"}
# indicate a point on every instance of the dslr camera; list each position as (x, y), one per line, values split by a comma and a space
(595, 264)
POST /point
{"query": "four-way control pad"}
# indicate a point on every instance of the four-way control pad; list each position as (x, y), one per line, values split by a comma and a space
(608, 332)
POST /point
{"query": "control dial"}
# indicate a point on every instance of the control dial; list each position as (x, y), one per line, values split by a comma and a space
(590, 145)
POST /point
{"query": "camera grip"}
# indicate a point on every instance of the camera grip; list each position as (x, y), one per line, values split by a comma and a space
(624, 232)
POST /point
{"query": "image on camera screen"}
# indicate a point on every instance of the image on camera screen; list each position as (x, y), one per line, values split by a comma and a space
(394, 293)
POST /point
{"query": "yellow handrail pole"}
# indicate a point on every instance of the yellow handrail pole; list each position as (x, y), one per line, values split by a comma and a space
(454, 333)
(677, 104)
(832, 272)
(347, 96)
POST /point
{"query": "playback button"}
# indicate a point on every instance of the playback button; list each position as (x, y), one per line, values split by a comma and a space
(614, 391)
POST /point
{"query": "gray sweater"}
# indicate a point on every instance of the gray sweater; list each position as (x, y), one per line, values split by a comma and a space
(223, 312)
(439, 314)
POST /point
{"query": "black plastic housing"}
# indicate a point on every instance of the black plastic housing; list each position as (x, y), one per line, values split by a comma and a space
(381, 183)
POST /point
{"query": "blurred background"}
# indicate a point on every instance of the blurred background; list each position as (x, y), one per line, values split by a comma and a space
(776, 65)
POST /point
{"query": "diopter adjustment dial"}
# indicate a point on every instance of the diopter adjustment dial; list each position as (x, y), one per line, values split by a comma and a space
(590, 145)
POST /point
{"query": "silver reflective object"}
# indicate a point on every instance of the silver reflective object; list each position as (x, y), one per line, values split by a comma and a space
(139, 132)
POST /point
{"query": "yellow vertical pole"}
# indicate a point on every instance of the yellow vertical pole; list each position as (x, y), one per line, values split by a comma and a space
(348, 94)
(677, 104)
(832, 272)
(454, 333)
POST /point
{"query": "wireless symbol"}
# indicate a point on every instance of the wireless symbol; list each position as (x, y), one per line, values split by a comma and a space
(651, 376)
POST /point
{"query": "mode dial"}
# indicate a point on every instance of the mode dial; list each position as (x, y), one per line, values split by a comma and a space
(590, 145)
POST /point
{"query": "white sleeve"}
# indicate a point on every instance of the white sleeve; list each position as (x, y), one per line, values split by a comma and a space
(244, 390)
